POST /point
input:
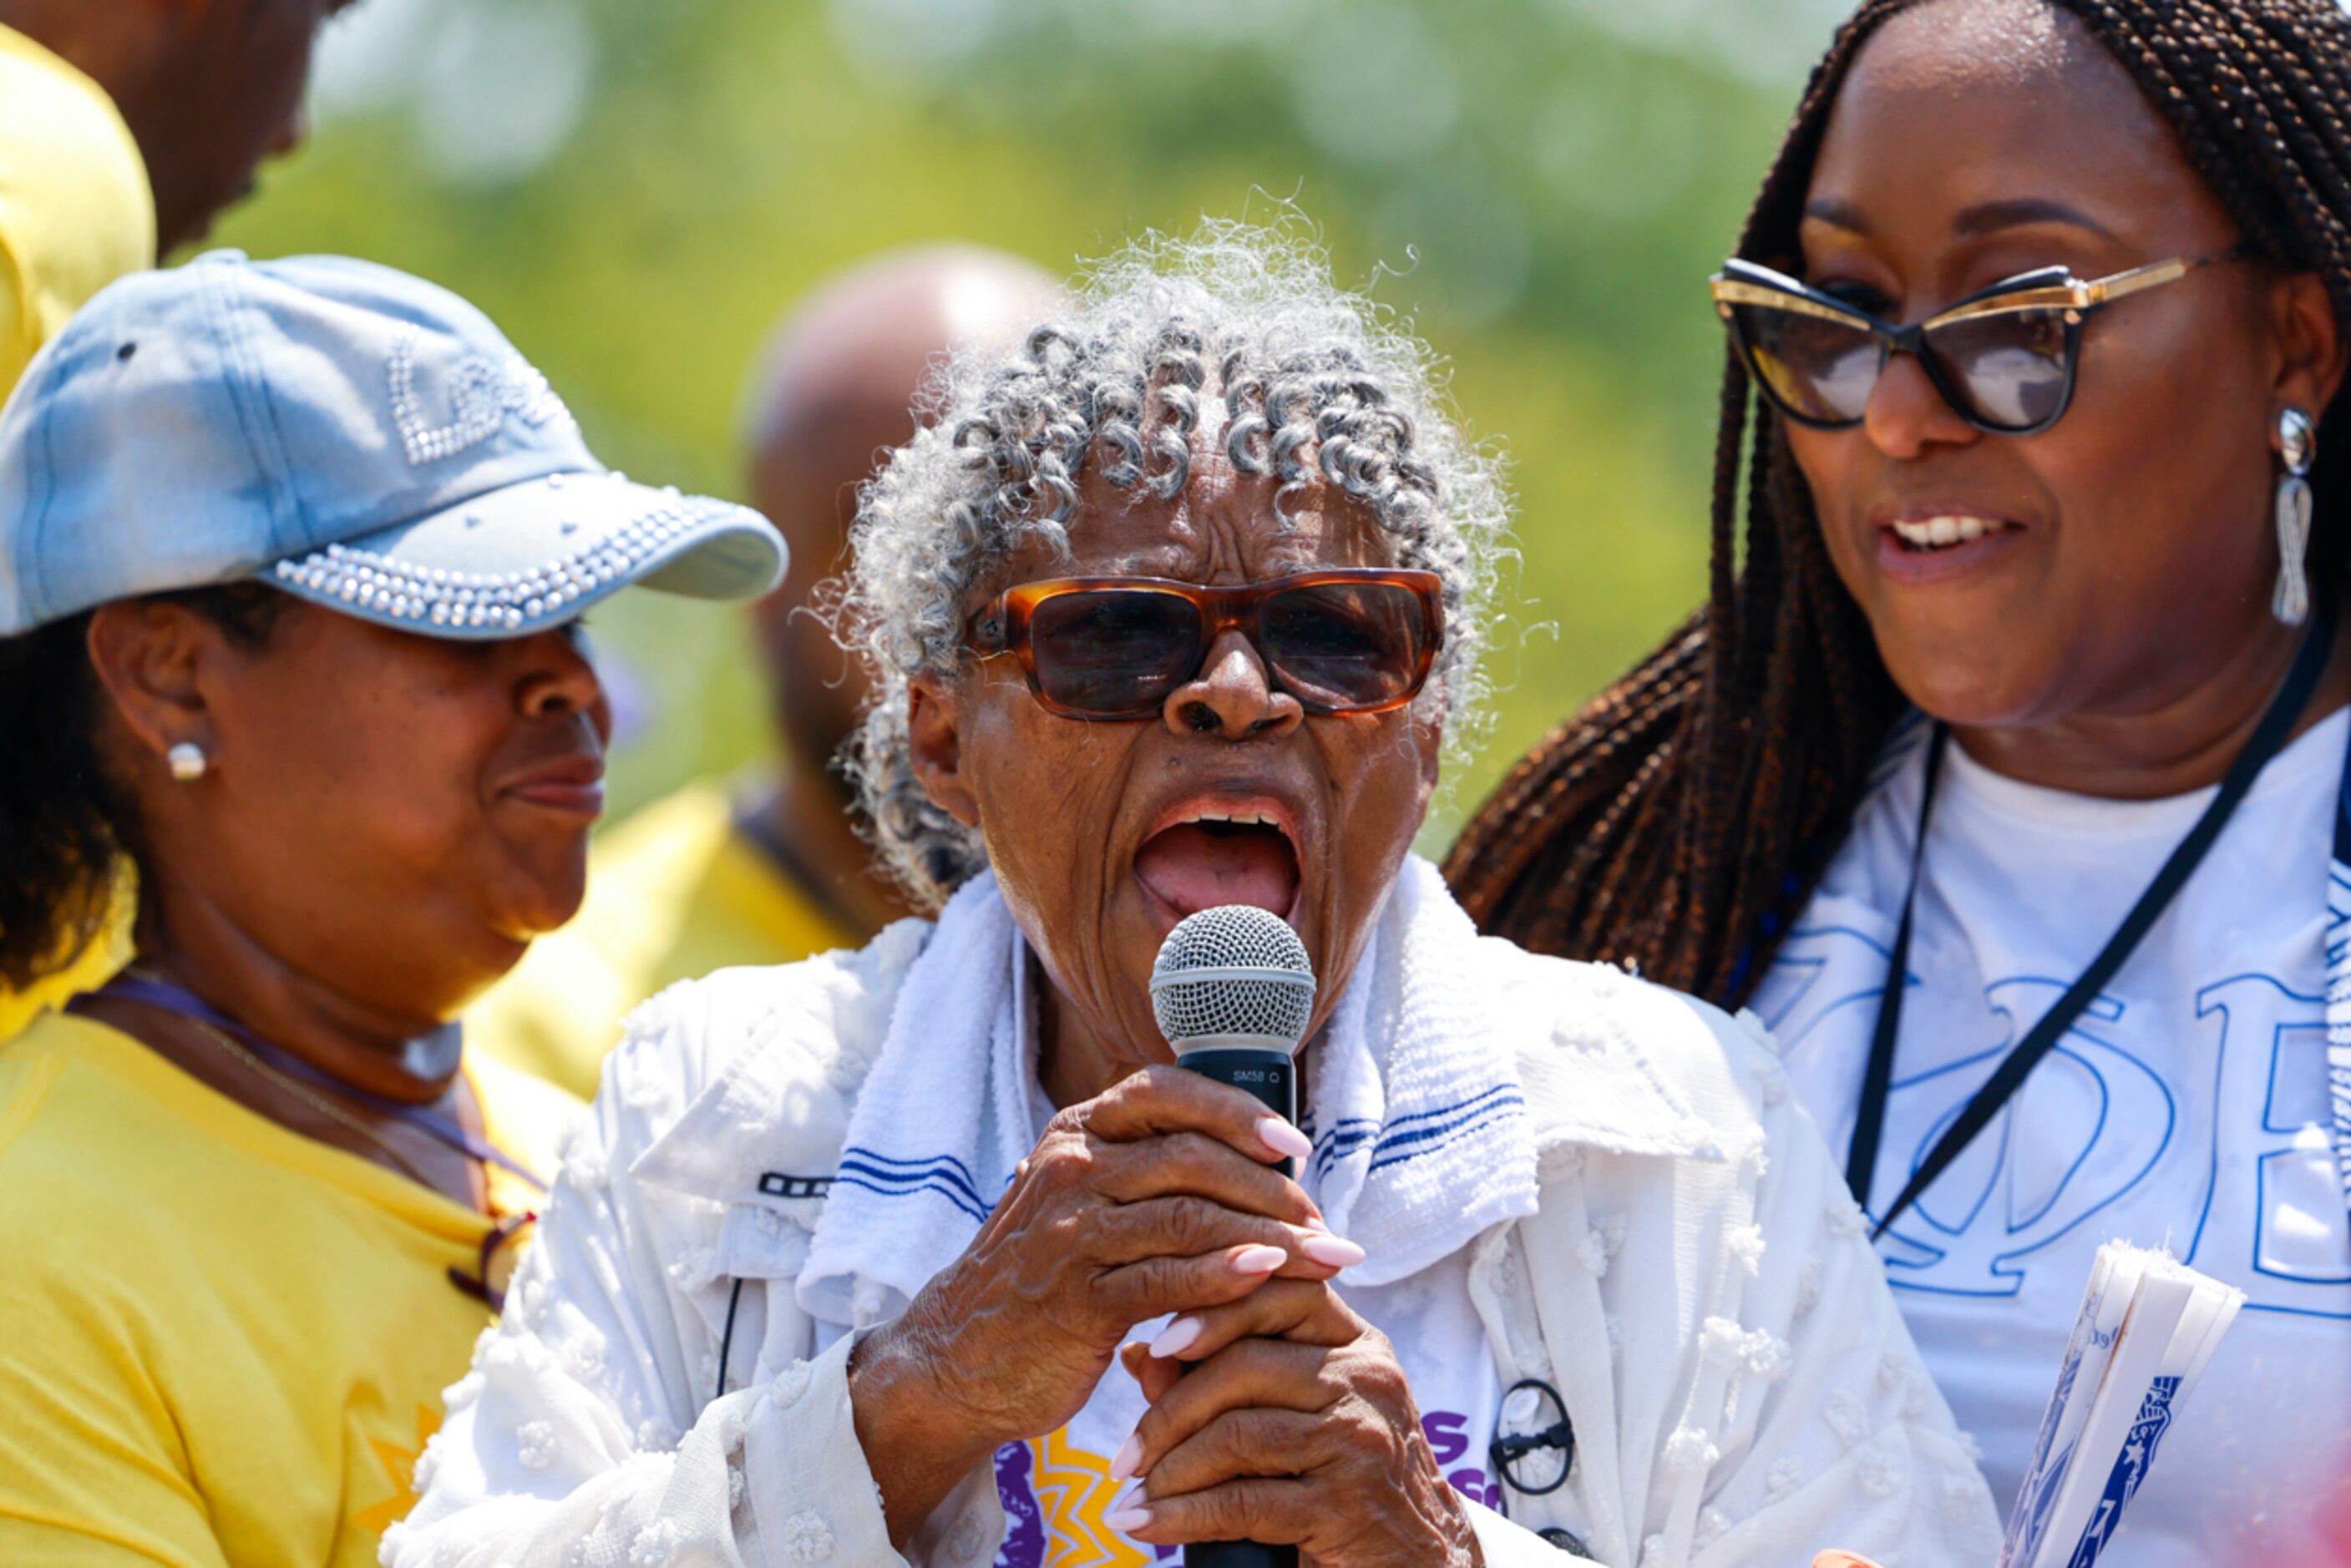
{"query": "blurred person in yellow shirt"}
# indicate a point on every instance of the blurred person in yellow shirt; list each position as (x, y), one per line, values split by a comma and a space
(319, 675)
(125, 127)
(710, 879)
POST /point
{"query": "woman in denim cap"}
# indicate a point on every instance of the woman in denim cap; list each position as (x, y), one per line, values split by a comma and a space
(292, 559)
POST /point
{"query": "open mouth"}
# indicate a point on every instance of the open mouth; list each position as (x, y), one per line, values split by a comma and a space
(1215, 858)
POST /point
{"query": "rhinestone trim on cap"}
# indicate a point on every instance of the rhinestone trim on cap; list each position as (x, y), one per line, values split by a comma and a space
(492, 600)
(482, 393)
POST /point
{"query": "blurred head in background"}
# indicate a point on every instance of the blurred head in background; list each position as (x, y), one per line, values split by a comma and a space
(210, 89)
(705, 878)
(834, 390)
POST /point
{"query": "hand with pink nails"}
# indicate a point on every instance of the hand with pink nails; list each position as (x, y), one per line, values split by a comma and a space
(1281, 1417)
(1157, 1196)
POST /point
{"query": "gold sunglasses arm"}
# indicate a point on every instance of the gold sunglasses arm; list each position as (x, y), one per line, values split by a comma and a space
(2070, 296)
(1729, 292)
(2122, 285)
(2056, 296)
(2086, 295)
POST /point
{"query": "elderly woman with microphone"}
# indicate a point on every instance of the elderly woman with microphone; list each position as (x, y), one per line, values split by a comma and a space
(898, 1254)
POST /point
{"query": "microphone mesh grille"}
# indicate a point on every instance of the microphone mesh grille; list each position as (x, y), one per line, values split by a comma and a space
(1277, 1001)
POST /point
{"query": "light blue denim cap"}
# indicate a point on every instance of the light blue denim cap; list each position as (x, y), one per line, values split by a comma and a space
(343, 431)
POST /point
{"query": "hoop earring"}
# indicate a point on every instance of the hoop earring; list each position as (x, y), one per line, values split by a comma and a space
(187, 762)
(2296, 437)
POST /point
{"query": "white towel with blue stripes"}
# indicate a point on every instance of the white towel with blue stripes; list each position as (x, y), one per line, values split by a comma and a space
(1421, 1138)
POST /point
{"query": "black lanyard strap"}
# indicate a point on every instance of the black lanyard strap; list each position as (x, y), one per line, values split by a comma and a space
(2268, 738)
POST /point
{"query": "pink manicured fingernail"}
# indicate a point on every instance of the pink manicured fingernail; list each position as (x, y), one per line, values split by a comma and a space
(1128, 1519)
(1176, 1337)
(1129, 1455)
(1259, 1260)
(1336, 1252)
(1315, 1223)
(1282, 1139)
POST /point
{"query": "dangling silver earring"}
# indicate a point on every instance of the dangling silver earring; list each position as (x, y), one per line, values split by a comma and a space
(187, 762)
(2296, 437)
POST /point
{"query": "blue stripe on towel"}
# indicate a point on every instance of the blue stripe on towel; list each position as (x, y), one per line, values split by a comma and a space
(946, 1166)
(1414, 1133)
(853, 1175)
(1487, 1107)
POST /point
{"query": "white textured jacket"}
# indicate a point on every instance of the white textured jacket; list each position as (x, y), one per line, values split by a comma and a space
(1695, 1284)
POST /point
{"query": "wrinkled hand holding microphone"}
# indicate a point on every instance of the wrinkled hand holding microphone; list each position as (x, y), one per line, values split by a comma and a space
(1233, 990)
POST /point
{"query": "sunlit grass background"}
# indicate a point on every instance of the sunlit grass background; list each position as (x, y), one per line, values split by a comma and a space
(634, 188)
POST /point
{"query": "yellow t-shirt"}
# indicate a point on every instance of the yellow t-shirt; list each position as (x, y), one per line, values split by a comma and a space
(673, 893)
(76, 210)
(220, 1341)
(108, 953)
(76, 213)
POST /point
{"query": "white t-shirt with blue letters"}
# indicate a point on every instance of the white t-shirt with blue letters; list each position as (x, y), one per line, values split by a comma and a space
(2186, 1106)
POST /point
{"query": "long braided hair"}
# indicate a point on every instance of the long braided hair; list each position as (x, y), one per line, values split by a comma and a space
(1680, 821)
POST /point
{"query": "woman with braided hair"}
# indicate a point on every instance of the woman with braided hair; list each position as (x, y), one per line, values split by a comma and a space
(2020, 681)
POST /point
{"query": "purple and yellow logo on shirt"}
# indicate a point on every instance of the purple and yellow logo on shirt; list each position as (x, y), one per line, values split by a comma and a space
(1055, 1494)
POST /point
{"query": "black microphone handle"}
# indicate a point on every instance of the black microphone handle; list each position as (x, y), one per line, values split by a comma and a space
(1264, 1073)
(1269, 1076)
(1238, 1554)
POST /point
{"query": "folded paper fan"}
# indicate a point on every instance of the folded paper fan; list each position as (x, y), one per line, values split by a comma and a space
(2146, 1330)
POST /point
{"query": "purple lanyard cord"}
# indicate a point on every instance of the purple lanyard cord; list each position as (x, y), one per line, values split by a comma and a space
(174, 997)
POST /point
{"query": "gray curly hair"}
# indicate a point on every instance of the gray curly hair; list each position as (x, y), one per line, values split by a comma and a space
(1319, 385)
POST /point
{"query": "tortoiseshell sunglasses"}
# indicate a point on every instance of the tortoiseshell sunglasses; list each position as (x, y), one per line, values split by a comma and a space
(1354, 640)
(2004, 359)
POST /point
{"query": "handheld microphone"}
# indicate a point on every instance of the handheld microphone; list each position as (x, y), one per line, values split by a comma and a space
(1233, 989)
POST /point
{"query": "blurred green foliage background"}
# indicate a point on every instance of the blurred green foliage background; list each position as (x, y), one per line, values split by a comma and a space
(634, 188)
